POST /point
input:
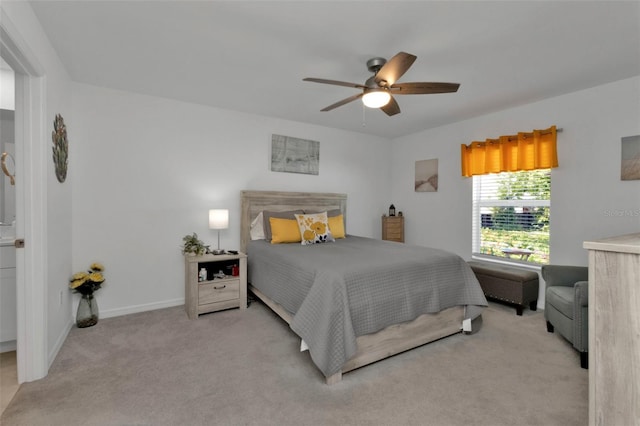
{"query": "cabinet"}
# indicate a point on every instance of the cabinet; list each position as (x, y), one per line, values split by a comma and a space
(216, 292)
(8, 315)
(614, 330)
(393, 228)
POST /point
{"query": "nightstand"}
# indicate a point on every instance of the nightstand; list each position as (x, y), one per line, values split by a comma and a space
(393, 228)
(214, 293)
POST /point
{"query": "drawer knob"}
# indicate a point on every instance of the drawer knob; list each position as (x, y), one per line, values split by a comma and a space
(220, 288)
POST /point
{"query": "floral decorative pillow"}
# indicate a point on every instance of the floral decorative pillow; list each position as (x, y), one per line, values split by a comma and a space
(314, 228)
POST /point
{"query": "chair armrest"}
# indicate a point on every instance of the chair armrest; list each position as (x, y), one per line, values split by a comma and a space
(581, 317)
(582, 293)
(562, 275)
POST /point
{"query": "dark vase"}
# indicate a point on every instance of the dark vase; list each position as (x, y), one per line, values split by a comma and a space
(87, 315)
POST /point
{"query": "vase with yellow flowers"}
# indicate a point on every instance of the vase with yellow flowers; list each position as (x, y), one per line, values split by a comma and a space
(86, 283)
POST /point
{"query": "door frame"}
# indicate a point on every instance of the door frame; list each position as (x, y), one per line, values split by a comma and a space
(31, 202)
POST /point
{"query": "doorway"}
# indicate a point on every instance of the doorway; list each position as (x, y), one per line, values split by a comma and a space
(8, 314)
(30, 203)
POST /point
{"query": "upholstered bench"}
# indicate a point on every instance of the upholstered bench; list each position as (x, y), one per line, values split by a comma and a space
(508, 284)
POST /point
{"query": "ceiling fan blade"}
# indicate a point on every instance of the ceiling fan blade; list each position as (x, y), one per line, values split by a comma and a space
(334, 82)
(342, 102)
(394, 69)
(392, 108)
(423, 88)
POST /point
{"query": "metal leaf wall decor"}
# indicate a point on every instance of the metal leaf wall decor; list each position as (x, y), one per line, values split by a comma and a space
(60, 148)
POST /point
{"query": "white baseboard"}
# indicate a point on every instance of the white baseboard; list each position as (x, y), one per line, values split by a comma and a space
(140, 308)
(8, 346)
(59, 342)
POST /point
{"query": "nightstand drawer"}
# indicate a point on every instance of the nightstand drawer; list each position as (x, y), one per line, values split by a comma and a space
(218, 291)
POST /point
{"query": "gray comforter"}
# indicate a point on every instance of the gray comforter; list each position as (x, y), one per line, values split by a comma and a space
(355, 286)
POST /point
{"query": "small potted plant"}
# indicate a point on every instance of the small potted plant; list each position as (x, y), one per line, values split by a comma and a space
(194, 246)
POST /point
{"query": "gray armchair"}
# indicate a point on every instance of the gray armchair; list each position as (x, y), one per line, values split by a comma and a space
(566, 305)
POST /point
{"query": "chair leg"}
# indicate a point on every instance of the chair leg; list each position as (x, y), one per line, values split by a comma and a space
(533, 305)
(549, 327)
(584, 360)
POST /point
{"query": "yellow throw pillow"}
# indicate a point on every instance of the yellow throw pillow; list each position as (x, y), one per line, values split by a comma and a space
(336, 226)
(314, 228)
(284, 231)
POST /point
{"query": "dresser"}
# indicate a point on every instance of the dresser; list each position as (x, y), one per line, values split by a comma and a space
(614, 330)
(393, 228)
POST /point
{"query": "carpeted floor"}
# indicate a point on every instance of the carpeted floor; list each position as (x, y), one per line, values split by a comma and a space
(244, 368)
(8, 378)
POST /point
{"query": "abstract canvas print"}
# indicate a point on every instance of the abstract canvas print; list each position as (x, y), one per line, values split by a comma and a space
(630, 166)
(426, 176)
(293, 155)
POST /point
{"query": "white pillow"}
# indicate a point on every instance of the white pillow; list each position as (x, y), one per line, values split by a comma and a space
(257, 228)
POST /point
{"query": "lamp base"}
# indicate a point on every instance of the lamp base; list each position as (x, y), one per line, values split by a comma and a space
(217, 251)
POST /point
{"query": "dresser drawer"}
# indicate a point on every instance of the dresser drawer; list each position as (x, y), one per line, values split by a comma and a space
(394, 227)
(219, 291)
(394, 233)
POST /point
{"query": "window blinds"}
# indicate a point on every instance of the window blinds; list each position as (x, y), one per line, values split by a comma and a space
(511, 213)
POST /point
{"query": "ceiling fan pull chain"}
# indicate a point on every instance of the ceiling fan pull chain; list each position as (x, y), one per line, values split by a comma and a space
(364, 118)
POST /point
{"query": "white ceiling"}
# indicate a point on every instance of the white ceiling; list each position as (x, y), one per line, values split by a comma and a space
(252, 56)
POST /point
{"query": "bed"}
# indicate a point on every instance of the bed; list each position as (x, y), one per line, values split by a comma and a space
(356, 300)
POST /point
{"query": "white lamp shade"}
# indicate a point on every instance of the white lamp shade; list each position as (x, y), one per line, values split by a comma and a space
(218, 219)
(376, 98)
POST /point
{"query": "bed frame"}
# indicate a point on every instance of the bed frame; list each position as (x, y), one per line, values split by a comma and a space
(371, 347)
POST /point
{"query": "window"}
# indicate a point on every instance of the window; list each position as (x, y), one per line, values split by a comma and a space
(511, 213)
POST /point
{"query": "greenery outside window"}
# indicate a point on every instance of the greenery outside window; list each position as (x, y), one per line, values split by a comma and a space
(511, 214)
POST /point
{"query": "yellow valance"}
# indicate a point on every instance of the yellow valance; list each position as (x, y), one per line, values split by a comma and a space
(524, 151)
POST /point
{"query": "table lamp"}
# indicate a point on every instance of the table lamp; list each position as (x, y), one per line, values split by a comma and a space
(218, 219)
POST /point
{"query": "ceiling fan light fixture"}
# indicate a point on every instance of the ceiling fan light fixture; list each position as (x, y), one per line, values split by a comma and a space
(379, 90)
(376, 98)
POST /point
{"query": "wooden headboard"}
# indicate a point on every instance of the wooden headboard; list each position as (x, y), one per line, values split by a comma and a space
(253, 202)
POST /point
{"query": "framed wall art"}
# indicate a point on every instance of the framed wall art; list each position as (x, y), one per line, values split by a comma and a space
(294, 155)
(630, 163)
(426, 177)
(60, 148)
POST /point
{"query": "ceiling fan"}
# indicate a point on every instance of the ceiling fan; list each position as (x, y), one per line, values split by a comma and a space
(378, 90)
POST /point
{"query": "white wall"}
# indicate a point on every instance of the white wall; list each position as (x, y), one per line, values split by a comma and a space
(7, 191)
(588, 199)
(147, 170)
(7, 83)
